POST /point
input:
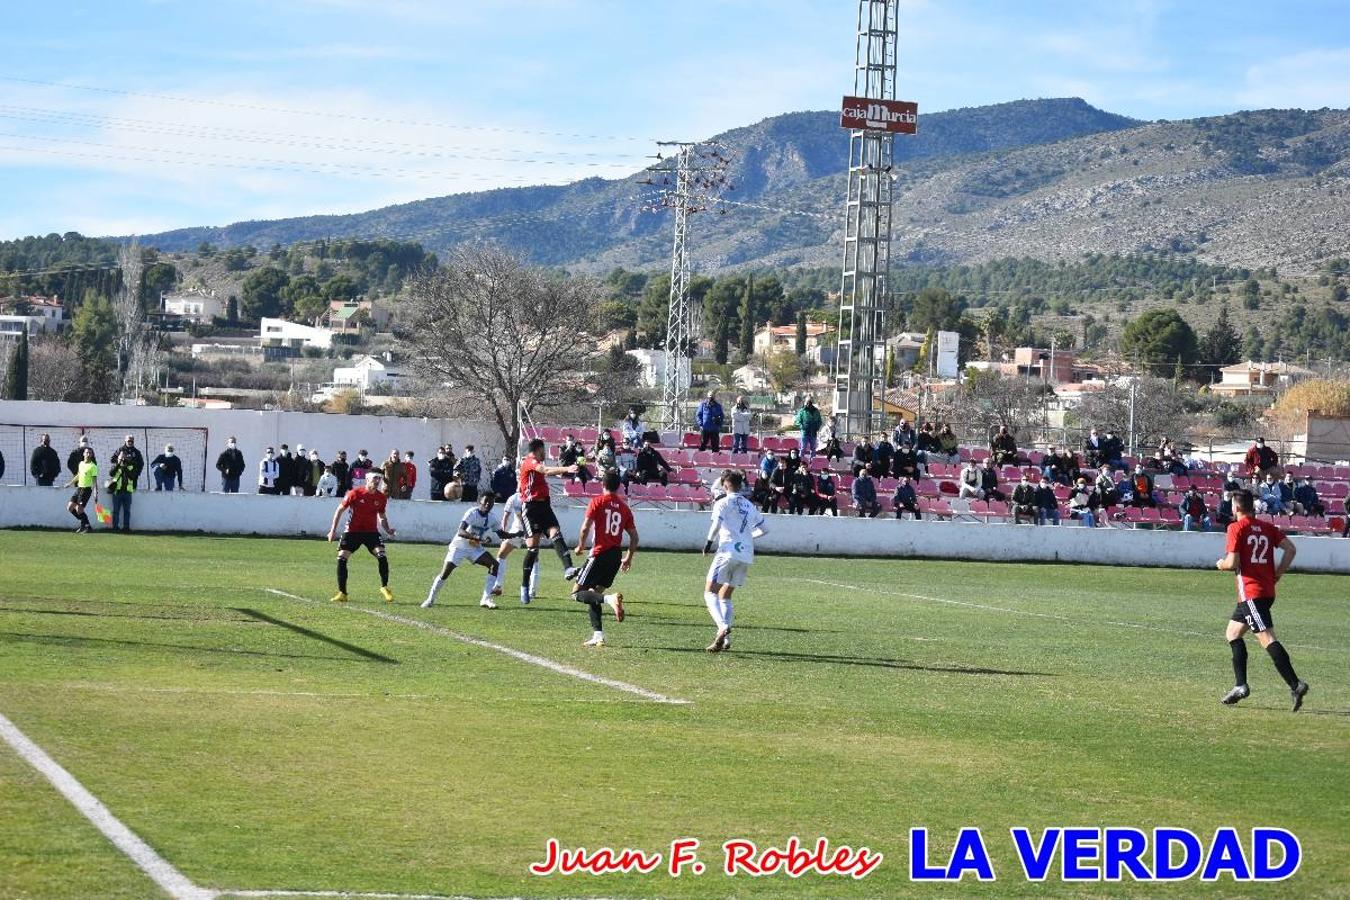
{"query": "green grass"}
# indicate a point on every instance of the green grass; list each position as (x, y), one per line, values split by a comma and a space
(349, 753)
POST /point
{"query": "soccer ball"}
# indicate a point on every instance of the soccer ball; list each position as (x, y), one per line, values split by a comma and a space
(453, 491)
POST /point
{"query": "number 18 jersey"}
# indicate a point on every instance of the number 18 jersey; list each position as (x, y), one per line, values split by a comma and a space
(611, 518)
(1254, 542)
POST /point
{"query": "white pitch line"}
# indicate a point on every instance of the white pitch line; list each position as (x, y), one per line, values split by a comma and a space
(521, 655)
(161, 871)
(351, 895)
(1038, 615)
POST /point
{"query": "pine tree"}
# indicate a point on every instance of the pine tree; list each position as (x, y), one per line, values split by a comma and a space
(747, 341)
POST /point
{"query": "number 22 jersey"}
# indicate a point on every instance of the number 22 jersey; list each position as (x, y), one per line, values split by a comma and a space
(1254, 542)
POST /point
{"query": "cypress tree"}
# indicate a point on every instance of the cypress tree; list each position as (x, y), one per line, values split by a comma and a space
(801, 332)
(747, 341)
(16, 376)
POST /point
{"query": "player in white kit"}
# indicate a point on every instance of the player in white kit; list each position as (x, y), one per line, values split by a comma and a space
(467, 547)
(512, 533)
(735, 525)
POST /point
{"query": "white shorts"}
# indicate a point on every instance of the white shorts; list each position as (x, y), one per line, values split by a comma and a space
(460, 554)
(725, 570)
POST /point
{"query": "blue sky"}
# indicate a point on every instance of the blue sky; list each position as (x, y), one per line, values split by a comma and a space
(141, 115)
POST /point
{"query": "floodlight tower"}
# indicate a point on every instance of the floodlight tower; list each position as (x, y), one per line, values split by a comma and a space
(700, 175)
(873, 116)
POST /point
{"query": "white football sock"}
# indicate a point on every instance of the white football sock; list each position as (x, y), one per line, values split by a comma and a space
(714, 608)
(726, 612)
(488, 584)
(435, 588)
(600, 635)
(534, 580)
(501, 573)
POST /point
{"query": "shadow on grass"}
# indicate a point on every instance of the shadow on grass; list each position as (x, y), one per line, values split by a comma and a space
(121, 615)
(70, 640)
(316, 635)
(664, 621)
(827, 659)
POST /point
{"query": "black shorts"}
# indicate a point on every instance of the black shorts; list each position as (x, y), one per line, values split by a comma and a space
(81, 496)
(539, 518)
(1256, 614)
(600, 571)
(355, 540)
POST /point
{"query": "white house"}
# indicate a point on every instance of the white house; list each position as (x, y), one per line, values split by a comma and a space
(280, 333)
(195, 306)
(751, 378)
(652, 368)
(13, 326)
(1248, 378)
(366, 372)
(772, 338)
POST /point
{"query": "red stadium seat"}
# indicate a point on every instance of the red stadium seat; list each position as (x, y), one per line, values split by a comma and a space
(637, 491)
(678, 493)
(687, 476)
(594, 489)
(690, 440)
(949, 488)
(752, 444)
(573, 489)
(657, 493)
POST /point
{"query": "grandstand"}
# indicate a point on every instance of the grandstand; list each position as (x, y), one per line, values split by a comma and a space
(696, 472)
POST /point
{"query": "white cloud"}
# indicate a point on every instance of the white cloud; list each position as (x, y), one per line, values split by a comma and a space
(1311, 79)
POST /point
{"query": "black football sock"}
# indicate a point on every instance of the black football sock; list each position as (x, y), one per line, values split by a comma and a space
(75, 513)
(383, 562)
(527, 566)
(342, 574)
(1282, 663)
(594, 601)
(84, 518)
(1239, 648)
(560, 548)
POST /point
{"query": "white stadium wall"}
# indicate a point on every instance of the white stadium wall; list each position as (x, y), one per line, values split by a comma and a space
(425, 520)
(255, 430)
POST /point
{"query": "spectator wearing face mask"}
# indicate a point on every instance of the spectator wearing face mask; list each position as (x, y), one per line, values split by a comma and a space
(409, 475)
(1024, 501)
(285, 471)
(1047, 504)
(362, 466)
(1083, 503)
(269, 473)
(342, 472)
(440, 472)
(864, 492)
(317, 468)
(906, 500)
(1193, 511)
(504, 479)
(327, 484)
(302, 476)
(825, 493)
(230, 465)
(470, 472)
(740, 426)
(168, 469)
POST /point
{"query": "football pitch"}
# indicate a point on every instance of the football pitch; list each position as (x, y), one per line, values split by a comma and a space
(263, 740)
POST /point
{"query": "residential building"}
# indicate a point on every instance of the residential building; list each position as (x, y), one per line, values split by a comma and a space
(280, 334)
(905, 347)
(193, 306)
(347, 316)
(1245, 379)
(772, 338)
(367, 371)
(652, 368)
(13, 326)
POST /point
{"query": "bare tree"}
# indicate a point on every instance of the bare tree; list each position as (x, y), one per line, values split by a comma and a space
(138, 355)
(1161, 409)
(486, 323)
(986, 400)
(53, 371)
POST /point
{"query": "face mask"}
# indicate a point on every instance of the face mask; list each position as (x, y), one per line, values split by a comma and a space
(270, 455)
(314, 455)
(440, 456)
(230, 445)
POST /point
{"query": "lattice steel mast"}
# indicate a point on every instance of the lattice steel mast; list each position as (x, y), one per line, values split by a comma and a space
(864, 298)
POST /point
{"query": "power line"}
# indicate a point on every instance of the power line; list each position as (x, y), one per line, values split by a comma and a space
(325, 114)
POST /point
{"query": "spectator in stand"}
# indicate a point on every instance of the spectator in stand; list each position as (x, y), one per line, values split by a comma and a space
(865, 495)
(1114, 450)
(1223, 513)
(285, 471)
(571, 454)
(651, 465)
(302, 473)
(924, 443)
(625, 461)
(906, 464)
(316, 469)
(882, 456)
(1003, 448)
(779, 482)
(44, 465)
(1083, 503)
(1260, 459)
(970, 482)
(469, 469)
(948, 446)
(409, 475)
(440, 472)
(989, 481)
(1270, 500)
(1141, 489)
(825, 493)
(1194, 511)
(134, 458)
(632, 428)
(808, 422)
(343, 473)
(792, 462)
(905, 500)
(833, 451)
(1287, 495)
(269, 473)
(1068, 461)
(740, 426)
(1305, 495)
(167, 469)
(768, 463)
(762, 494)
(394, 474)
(1094, 449)
(230, 465)
(802, 492)
(862, 456)
(76, 456)
(1107, 493)
(1053, 468)
(504, 479)
(903, 434)
(709, 419)
(1047, 504)
(1024, 501)
(122, 488)
(327, 485)
(361, 467)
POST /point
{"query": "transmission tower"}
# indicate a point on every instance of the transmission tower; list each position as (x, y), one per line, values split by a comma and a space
(864, 298)
(700, 174)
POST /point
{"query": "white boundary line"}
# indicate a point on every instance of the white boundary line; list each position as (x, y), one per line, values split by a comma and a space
(521, 655)
(352, 895)
(1039, 615)
(161, 871)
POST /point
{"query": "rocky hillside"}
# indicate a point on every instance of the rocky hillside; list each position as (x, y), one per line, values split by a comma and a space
(1046, 179)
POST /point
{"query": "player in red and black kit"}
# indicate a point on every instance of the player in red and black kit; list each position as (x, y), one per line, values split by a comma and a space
(367, 506)
(1251, 554)
(540, 522)
(609, 518)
